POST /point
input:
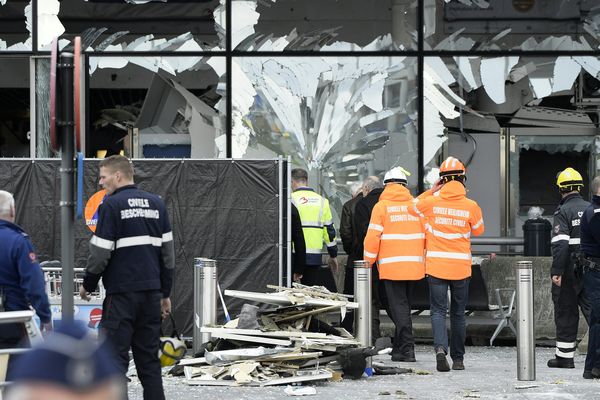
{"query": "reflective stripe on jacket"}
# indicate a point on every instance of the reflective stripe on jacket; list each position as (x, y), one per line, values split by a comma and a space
(317, 224)
(396, 239)
(451, 218)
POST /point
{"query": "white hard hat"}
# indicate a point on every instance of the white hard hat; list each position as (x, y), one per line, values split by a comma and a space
(396, 174)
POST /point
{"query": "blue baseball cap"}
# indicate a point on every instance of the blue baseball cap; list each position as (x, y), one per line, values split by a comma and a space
(70, 356)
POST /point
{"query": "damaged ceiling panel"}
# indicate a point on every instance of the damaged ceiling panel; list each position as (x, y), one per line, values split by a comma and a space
(132, 25)
(512, 25)
(178, 111)
(15, 25)
(300, 25)
(344, 117)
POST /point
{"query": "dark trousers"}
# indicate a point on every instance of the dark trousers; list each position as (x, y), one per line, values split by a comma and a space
(316, 275)
(132, 320)
(399, 294)
(591, 281)
(438, 298)
(12, 336)
(568, 298)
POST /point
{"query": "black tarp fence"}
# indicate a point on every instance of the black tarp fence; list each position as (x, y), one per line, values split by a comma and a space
(227, 210)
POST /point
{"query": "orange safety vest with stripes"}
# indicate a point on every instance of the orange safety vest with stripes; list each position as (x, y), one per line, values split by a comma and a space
(395, 238)
(451, 218)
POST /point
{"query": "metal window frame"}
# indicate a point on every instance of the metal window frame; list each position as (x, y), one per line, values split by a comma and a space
(229, 53)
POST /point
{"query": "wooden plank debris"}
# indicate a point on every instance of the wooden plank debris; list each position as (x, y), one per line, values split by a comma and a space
(289, 352)
(281, 299)
(256, 332)
(252, 339)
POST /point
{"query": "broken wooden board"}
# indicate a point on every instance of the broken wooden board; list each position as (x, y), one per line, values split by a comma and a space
(252, 339)
(192, 361)
(316, 375)
(311, 292)
(281, 299)
(256, 332)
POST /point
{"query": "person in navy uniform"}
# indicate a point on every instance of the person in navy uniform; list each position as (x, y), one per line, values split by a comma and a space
(590, 261)
(21, 278)
(71, 364)
(132, 250)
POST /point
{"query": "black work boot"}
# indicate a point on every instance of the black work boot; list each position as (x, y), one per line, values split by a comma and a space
(593, 374)
(441, 361)
(561, 362)
(458, 365)
(408, 356)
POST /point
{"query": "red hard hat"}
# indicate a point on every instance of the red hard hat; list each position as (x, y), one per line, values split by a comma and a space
(452, 166)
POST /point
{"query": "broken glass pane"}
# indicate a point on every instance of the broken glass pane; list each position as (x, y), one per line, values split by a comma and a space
(512, 25)
(156, 107)
(349, 25)
(15, 32)
(342, 119)
(109, 25)
(42, 108)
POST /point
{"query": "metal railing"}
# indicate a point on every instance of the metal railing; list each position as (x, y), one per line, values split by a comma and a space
(54, 284)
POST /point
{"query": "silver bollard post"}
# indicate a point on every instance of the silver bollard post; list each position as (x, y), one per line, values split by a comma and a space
(525, 331)
(205, 298)
(362, 295)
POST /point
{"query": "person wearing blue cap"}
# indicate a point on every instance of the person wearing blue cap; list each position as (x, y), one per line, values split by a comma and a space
(70, 364)
(21, 278)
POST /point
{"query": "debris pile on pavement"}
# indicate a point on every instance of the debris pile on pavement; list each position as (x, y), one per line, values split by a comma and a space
(289, 341)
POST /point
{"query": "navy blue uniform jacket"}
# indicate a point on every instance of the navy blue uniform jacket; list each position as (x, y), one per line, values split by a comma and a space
(21, 277)
(132, 248)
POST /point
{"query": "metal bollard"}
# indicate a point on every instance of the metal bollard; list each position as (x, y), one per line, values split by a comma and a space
(362, 295)
(205, 298)
(525, 329)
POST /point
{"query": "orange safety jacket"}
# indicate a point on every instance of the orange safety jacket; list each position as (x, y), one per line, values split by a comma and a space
(395, 238)
(451, 218)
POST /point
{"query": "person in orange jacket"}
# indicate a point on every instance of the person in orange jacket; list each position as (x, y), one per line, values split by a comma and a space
(451, 219)
(396, 241)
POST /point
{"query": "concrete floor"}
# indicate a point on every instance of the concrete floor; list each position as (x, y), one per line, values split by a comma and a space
(490, 374)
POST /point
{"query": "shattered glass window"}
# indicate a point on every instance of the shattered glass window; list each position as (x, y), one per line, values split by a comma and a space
(327, 25)
(341, 118)
(15, 27)
(132, 25)
(532, 25)
(156, 107)
(482, 93)
(14, 107)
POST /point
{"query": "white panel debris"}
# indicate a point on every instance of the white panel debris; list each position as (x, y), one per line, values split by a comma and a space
(566, 71)
(494, 72)
(48, 24)
(542, 87)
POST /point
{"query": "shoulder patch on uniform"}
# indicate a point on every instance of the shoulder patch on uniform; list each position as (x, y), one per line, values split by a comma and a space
(556, 229)
(32, 257)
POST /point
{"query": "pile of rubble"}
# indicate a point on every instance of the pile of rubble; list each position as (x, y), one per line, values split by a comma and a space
(287, 340)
